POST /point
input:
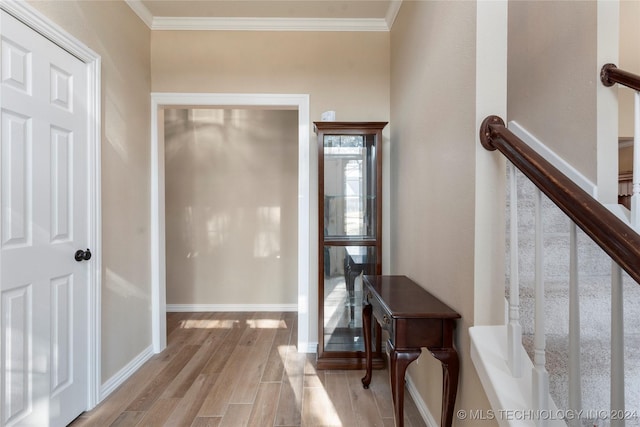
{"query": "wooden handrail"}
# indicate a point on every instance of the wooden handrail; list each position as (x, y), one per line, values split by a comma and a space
(615, 237)
(610, 75)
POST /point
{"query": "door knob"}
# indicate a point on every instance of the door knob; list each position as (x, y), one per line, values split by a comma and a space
(83, 255)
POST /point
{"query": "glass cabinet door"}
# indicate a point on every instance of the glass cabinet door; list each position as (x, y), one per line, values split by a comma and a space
(344, 267)
(349, 187)
(350, 226)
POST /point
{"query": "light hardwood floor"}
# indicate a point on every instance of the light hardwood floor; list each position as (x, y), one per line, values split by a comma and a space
(243, 369)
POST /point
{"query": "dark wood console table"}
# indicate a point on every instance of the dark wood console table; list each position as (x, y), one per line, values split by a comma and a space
(414, 319)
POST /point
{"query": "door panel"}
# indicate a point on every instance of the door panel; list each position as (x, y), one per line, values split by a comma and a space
(16, 309)
(61, 168)
(16, 185)
(44, 214)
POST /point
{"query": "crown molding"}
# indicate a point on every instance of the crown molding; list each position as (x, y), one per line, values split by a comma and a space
(269, 24)
(142, 11)
(392, 13)
(264, 24)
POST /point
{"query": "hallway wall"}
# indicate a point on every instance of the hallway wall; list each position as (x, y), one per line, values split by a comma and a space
(231, 182)
(126, 84)
(553, 77)
(433, 176)
(347, 72)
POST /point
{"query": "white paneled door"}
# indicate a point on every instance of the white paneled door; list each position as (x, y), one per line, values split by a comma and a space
(44, 222)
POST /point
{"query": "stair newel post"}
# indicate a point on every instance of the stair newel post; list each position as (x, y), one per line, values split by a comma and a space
(514, 328)
(540, 375)
(617, 346)
(575, 387)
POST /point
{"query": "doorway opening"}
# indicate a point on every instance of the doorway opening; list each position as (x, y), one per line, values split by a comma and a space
(162, 101)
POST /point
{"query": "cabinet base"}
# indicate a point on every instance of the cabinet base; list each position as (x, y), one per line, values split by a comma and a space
(348, 363)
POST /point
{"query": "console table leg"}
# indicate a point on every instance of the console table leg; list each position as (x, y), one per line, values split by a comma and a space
(366, 327)
(450, 371)
(399, 362)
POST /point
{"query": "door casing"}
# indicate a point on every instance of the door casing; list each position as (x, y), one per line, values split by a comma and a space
(307, 308)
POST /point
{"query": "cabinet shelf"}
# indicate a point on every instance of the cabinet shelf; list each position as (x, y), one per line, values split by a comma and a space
(349, 241)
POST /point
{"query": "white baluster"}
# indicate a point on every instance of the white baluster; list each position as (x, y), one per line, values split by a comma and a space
(635, 197)
(514, 329)
(539, 374)
(617, 345)
(575, 388)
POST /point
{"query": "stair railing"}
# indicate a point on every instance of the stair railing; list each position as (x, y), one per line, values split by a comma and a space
(613, 235)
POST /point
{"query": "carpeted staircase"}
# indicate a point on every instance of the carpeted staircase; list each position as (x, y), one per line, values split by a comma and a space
(595, 311)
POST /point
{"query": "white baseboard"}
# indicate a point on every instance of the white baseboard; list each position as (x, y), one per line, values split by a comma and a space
(192, 308)
(426, 414)
(123, 374)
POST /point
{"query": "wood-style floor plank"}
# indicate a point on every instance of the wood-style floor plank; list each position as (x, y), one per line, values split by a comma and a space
(207, 422)
(187, 409)
(161, 381)
(337, 388)
(237, 415)
(263, 413)
(243, 369)
(289, 412)
(160, 412)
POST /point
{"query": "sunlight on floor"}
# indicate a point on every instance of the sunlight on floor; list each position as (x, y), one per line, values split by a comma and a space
(322, 411)
(230, 324)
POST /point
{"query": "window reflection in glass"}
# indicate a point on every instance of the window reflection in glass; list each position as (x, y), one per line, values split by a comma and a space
(349, 202)
(343, 270)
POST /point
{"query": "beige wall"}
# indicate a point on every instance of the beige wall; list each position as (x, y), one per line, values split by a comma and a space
(553, 76)
(126, 83)
(231, 182)
(343, 71)
(433, 173)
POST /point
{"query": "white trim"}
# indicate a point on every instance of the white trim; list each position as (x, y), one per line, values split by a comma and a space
(268, 24)
(125, 373)
(44, 26)
(557, 161)
(620, 211)
(426, 414)
(158, 277)
(506, 394)
(141, 10)
(607, 52)
(213, 308)
(265, 24)
(392, 13)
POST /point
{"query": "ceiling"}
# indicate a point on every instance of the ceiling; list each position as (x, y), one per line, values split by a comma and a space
(280, 15)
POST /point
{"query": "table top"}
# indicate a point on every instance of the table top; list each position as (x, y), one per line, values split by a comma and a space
(403, 298)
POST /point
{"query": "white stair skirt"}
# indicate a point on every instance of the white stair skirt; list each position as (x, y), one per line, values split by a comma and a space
(511, 398)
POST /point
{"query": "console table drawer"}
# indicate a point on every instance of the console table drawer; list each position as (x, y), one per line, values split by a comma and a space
(418, 333)
(383, 317)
